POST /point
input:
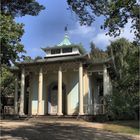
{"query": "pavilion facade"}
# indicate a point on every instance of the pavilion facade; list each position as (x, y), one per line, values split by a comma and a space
(64, 82)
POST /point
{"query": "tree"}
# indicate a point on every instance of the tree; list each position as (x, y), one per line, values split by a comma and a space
(37, 58)
(20, 7)
(97, 54)
(10, 37)
(116, 14)
(7, 84)
(124, 102)
(11, 32)
(118, 51)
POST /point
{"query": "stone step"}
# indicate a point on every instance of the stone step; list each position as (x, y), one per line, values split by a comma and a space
(48, 117)
(64, 117)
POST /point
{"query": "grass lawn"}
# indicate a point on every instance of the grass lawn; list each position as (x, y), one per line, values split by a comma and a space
(127, 127)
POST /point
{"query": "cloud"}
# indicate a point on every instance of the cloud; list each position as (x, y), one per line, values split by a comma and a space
(82, 30)
(102, 41)
(126, 32)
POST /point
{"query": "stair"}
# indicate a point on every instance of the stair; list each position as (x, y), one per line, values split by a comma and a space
(62, 118)
(53, 118)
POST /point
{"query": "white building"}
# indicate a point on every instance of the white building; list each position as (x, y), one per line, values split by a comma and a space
(64, 82)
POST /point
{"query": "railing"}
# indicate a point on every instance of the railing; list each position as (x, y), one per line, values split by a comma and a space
(88, 109)
(100, 108)
(8, 110)
(94, 109)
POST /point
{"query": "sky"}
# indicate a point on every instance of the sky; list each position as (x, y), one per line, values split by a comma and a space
(47, 29)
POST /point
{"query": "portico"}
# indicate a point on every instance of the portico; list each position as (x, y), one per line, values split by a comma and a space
(44, 73)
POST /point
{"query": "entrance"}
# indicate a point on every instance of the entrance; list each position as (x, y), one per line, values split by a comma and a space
(53, 98)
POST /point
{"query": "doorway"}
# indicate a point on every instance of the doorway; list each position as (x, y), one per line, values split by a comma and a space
(53, 98)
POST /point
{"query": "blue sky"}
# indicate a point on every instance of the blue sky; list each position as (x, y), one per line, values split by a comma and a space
(47, 29)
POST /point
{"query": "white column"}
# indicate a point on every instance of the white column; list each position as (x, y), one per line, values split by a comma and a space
(59, 110)
(107, 86)
(21, 110)
(40, 92)
(16, 95)
(89, 95)
(81, 89)
(30, 94)
(106, 82)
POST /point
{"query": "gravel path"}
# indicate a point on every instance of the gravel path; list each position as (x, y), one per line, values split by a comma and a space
(57, 130)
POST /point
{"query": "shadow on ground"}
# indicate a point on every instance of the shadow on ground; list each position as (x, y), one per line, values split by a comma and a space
(57, 131)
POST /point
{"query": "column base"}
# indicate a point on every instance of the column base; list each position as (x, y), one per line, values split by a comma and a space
(21, 114)
(81, 113)
(40, 114)
(59, 114)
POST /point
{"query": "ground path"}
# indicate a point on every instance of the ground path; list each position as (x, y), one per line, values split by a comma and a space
(57, 130)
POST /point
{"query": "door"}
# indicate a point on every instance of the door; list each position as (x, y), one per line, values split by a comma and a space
(54, 101)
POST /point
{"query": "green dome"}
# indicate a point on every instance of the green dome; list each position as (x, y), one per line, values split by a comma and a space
(65, 41)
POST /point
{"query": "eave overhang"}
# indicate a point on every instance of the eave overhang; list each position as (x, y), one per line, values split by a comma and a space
(55, 60)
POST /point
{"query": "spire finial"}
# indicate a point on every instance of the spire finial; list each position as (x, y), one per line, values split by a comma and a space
(66, 38)
(66, 28)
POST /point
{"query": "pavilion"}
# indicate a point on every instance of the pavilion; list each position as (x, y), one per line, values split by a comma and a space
(64, 82)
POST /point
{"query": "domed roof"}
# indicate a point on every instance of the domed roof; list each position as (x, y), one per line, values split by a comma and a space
(65, 41)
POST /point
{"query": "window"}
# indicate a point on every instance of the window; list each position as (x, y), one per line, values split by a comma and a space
(66, 50)
(55, 51)
(100, 86)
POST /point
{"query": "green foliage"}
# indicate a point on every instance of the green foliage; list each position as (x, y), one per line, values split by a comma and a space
(122, 105)
(10, 37)
(116, 13)
(80, 48)
(11, 32)
(97, 54)
(7, 82)
(124, 102)
(20, 7)
(37, 58)
(27, 58)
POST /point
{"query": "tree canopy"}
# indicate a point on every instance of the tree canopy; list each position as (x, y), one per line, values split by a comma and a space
(97, 54)
(7, 82)
(125, 78)
(123, 103)
(20, 7)
(11, 32)
(116, 14)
